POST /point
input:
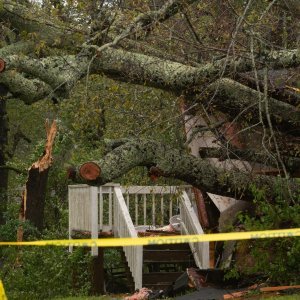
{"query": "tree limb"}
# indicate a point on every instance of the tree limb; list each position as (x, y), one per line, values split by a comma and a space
(178, 164)
(234, 97)
(29, 90)
(292, 164)
(171, 75)
(61, 73)
(32, 19)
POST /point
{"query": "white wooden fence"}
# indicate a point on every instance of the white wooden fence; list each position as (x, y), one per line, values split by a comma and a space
(112, 207)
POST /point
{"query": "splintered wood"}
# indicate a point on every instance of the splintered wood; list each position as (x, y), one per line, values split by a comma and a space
(45, 160)
(33, 198)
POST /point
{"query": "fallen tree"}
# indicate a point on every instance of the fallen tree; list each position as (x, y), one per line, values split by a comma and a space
(170, 162)
(57, 51)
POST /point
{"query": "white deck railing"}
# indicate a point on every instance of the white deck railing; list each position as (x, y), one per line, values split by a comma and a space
(152, 205)
(190, 225)
(123, 227)
(113, 208)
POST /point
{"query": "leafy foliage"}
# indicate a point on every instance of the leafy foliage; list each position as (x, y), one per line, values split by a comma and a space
(274, 259)
(42, 272)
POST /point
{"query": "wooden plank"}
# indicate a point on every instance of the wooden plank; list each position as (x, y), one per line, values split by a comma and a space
(162, 209)
(145, 208)
(153, 209)
(279, 288)
(136, 209)
(212, 254)
(70, 220)
(240, 294)
(221, 202)
(94, 216)
(98, 273)
(167, 255)
(190, 225)
(184, 246)
(125, 228)
(110, 218)
(100, 209)
(170, 208)
(79, 209)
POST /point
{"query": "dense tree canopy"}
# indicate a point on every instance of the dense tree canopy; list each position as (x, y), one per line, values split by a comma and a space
(235, 61)
(122, 78)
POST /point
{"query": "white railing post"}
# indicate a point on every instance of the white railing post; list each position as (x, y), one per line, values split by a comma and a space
(70, 217)
(110, 207)
(94, 217)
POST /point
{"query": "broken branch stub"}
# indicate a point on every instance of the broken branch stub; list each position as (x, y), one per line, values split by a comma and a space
(90, 171)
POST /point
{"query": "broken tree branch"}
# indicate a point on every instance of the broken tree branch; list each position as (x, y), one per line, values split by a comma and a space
(292, 163)
(178, 164)
(33, 199)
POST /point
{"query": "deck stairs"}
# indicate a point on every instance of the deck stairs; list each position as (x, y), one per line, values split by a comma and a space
(163, 264)
(126, 211)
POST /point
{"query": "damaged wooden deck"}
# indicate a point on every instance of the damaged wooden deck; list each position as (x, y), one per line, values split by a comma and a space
(113, 210)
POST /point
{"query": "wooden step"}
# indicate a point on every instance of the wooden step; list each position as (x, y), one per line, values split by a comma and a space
(184, 246)
(171, 256)
(160, 277)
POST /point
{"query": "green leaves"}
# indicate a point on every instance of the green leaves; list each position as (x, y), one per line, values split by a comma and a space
(276, 259)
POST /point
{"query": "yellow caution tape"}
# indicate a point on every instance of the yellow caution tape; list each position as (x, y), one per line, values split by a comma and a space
(159, 240)
(2, 292)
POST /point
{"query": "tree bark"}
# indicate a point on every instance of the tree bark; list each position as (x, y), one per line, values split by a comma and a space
(32, 19)
(195, 171)
(57, 75)
(33, 200)
(292, 164)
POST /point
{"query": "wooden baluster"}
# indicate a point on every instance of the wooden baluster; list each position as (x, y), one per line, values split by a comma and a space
(162, 209)
(94, 216)
(171, 207)
(145, 209)
(100, 209)
(153, 209)
(127, 200)
(110, 209)
(136, 210)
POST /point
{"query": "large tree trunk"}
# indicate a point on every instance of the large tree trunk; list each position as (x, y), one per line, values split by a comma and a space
(33, 200)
